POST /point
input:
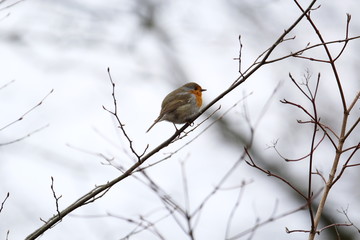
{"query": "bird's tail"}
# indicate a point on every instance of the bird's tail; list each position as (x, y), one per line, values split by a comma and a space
(151, 126)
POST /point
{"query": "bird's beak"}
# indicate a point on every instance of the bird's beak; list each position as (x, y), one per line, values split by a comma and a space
(203, 90)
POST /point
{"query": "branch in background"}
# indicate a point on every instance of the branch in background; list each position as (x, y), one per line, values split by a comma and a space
(347, 165)
(235, 207)
(121, 125)
(21, 118)
(252, 163)
(23, 137)
(267, 221)
(6, 84)
(296, 159)
(10, 5)
(27, 112)
(3, 202)
(55, 197)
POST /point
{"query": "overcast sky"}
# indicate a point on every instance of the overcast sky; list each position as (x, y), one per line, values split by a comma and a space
(151, 48)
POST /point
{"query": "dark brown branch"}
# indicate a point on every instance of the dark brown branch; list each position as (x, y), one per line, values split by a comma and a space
(327, 51)
(267, 172)
(301, 158)
(346, 164)
(298, 53)
(348, 19)
(3, 202)
(121, 125)
(269, 220)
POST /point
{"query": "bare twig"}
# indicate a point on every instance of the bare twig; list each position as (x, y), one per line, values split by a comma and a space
(298, 54)
(6, 84)
(3, 202)
(269, 220)
(26, 136)
(235, 207)
(297, 159)
(239, 58)
(346, 164)
(27, 112)
(345, 212)
(348, 19)
(267, 172)
(321, 229)
(188, 217)
(313, 119)
(219, 185)
(55, 197)
(141, 222)
(10, 5)
(121, 125)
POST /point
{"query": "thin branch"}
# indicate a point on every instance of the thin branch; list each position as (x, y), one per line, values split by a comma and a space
(3, 202)
(235, 207)
(352, 104)
(199, 124)
(24, 137)
(186, 144)
(345, 212)
(352, 128)
(27, 112)
(121, 125)
(267, 172)
(348, 19)
(169, 203)
(322, 126)
(188, 217)
(267, 221)
(331, 60)
(55, 197)
(321, 229)
(297, 159)
(141, 224)
(219, 184)
(298, 53)
(7, 84)
(239, 58)
(346, 164)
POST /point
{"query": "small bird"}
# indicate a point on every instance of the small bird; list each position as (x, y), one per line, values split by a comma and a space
(181, 105)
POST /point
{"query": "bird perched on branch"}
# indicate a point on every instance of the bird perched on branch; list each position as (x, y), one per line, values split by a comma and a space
(181, 105)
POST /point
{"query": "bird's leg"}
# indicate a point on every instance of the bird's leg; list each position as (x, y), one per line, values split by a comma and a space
(176, 127)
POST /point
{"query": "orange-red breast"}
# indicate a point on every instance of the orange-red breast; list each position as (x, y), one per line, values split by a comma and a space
(181, 105)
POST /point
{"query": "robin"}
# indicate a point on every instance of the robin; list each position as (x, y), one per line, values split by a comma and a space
(181, 105)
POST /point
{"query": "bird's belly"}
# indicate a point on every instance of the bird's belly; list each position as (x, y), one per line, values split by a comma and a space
(182, 114)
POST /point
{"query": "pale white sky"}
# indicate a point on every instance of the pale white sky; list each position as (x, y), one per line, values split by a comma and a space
(68, 45)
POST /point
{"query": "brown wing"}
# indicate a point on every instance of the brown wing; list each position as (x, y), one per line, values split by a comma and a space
(173, 105)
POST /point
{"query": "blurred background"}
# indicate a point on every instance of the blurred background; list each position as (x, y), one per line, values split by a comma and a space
(152, 47)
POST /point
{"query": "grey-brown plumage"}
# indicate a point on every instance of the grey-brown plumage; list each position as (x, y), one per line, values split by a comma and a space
(181, 105)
